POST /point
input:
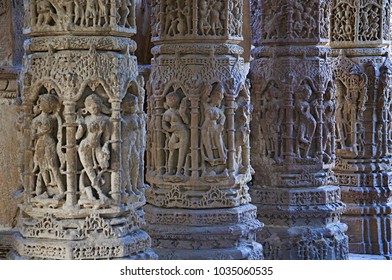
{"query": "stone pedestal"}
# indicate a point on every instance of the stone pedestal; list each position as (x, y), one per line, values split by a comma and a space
(198, 134)
(83, 129)
(360, 40)
(293, 132)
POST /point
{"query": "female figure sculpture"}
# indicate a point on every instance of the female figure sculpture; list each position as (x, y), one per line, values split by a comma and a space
(93, 149)
(174, 124)
(212, 129)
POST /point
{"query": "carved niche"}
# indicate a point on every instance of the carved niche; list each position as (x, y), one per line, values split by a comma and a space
(359, 22)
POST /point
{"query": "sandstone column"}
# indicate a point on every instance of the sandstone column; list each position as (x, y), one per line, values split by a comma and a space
(82, 126)
(198, 134)
(11, 52)
(360, 38)
(293, 150)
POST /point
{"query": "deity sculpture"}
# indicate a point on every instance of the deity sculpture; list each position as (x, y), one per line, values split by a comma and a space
(46, 160)
(131, 126)
(174, 124)
(306, 123)
(212, 129)
(93, 150)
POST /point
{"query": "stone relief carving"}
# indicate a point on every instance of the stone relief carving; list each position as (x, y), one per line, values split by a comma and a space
(174, 123)
(46, 159)
(203, 19)
(351, 99)
(55, 15)
(363, 123)
(363, 21)
(198, 161)
(83, 130)
(308, 20)
(94, 153)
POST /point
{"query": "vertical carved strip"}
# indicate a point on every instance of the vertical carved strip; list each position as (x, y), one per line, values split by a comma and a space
(116, 152)
(71, 154)
(195, 150)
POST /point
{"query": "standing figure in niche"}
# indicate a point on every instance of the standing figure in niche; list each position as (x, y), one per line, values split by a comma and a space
(44, 10)
(242, 134)
(272, 121)
(93, 149)
(215, 11)
(174, 123)
(306, 123)
(212, 129)
(91, 12)
(46, 160)
(187, 13)
(131, 126)
(329, 125)
(79, 11)
(103, 12)
(204, 26)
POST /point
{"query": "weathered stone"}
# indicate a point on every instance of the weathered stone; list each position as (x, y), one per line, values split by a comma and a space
(198, 161)
(363, 72)
(11, 51)
(293, 132)
(83, 129)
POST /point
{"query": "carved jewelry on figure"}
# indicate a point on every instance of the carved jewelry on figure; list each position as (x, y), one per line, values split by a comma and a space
(44, 133)
(93, 151)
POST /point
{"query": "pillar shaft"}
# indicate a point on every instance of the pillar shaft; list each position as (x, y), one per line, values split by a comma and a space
(199, 133)
(83, 126)
(360, 39)
(292, 152)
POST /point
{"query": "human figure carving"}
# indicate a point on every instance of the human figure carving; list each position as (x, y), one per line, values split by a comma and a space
(272, 121)
(212, 129)
(79, 9)
(131, 126)
(204, 26)
(215, 18)
(305, 123)
(46, 160)
(174, 123)
(91, 12)
(44, 10)
(242, 137)
(94, 153)
(103, 15)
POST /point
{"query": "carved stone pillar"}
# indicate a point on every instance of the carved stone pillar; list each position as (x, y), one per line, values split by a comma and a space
(360, 38)
(83, 123)
(198, 134)
(11, 53)
(292, 137)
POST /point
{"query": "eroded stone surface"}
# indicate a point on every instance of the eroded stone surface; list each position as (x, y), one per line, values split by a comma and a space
(363, 72)
(198, 132)
(293, 132)
(83, 130)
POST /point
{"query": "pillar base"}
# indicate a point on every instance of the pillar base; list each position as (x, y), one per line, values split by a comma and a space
(369, 229)
(305, 243)
(133, 246)
(301, 223)
(91, 237)
(227, 233)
